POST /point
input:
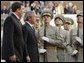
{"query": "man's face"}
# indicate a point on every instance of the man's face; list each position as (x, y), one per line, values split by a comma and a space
(33, 18)
(46, 19)
(58, 22)
(21, 11)
(80, 19)
(67, 25)
(37, 25)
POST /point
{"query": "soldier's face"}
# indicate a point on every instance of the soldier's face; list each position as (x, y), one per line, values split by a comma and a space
(58, 22)
(80, 19)
(47, 19)
(67, 26)
(37, 25)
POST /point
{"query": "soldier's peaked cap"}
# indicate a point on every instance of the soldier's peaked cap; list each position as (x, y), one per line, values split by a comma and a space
(69, 20)
(80, 13)
(60, 17)
(47, 12)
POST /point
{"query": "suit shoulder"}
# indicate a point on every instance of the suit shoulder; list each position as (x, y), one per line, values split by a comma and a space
(8, 19)
(24, 27)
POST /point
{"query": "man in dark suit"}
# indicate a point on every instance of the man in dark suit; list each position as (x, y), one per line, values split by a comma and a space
(13, 43)
(29, 36)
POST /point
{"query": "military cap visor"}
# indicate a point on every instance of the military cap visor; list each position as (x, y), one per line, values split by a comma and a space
(47, 14)
(69, 20)
(80, 14)
(60, 17)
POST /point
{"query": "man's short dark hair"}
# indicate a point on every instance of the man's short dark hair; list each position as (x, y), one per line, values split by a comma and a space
(16, 5)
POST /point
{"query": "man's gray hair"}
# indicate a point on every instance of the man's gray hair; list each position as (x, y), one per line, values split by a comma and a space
(27, 15)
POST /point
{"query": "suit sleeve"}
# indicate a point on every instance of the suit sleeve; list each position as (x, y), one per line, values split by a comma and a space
(25, 40)
(8, 36)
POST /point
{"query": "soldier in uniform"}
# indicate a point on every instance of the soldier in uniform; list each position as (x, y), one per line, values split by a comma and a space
(62, 36)
(48, 31)
(67, 26)
(77, 37)
(68, 23)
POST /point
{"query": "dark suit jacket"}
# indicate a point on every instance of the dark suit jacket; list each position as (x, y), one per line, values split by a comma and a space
(31, 41)
(13, 42)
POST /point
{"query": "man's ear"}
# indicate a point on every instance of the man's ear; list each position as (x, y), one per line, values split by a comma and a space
(18, 10)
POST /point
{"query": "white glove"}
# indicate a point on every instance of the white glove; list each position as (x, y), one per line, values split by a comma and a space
(74, 52)
(78, 39)
(42, 50)
(45, 38)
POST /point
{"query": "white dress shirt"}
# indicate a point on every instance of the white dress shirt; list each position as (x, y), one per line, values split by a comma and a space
(16, 15)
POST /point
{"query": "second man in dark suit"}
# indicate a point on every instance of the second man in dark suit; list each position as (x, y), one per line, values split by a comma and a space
(29, 36)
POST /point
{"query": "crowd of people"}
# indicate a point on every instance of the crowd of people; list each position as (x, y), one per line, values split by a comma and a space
(36, 40)
(54, 6)
(57, 7)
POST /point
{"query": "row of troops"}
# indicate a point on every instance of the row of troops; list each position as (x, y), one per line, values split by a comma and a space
(61, 45)
(45, 43)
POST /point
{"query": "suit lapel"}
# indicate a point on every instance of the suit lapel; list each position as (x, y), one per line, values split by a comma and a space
(31, 31)
(29, 27)
(17, 22)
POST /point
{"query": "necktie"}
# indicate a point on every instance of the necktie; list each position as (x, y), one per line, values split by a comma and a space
(33, 28)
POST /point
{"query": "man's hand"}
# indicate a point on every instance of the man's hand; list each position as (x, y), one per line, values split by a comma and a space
(12, 58)
(28, 59)
(45, 38)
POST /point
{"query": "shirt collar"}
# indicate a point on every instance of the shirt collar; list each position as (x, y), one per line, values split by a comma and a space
(29, 24)
(16, 15)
